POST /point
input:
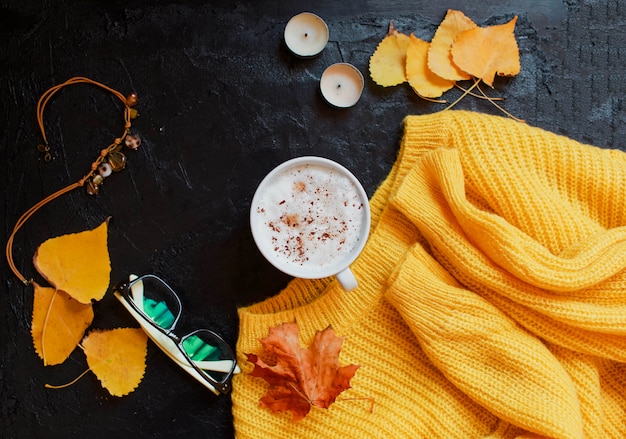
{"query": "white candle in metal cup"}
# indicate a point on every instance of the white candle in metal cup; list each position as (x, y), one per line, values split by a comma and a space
(306, 34)
(342, 85)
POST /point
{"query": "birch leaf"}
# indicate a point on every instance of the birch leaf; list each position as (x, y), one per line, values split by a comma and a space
(420, 77)
(388, 63)
(484, 52)
(77, 263)
(59, 323)
(439, 54)
(117, 357)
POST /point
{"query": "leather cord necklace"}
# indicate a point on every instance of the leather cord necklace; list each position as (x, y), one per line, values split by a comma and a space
(110, 160)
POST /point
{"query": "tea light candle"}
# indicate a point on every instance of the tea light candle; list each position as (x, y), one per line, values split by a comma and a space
(342, 85)
(306, 34)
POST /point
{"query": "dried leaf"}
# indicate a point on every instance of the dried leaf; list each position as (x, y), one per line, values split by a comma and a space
(388, 63)
(420, 77)
(77, 263)
(484, 52)
(117, 357)
(439, 57)
(58, 325)
(301, 378)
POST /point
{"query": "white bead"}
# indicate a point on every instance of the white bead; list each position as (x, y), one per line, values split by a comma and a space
(105, 169)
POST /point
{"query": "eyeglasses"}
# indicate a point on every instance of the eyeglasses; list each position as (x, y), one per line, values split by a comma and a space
(202, 353)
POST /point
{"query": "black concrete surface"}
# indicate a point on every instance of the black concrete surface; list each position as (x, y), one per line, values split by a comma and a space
(221, 102)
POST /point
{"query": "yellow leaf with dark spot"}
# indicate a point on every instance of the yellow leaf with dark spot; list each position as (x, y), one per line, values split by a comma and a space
(77, 263)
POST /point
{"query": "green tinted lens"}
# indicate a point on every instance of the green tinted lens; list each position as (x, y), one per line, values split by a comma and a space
(199, 350)
(158, 312)
(203, 347)
(157, 301)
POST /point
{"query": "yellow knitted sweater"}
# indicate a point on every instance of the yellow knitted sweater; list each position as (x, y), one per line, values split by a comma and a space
(491, 298)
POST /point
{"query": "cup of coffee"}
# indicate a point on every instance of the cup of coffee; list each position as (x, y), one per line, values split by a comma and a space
(310, 218)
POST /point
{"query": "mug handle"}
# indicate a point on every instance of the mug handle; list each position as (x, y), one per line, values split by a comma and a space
(347, 280)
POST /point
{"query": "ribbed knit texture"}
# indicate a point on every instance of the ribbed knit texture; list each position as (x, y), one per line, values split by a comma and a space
(491, 299)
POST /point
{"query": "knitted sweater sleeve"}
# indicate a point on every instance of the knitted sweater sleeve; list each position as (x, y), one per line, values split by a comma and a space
(522, 271)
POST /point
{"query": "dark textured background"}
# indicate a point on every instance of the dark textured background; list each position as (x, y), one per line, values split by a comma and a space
(221, 103)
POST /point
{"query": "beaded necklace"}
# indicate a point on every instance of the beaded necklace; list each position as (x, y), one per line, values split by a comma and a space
(111, 158)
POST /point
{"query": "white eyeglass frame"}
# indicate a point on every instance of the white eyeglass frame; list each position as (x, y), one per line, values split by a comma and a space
(169, 342)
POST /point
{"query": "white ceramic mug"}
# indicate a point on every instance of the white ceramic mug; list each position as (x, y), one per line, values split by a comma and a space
(310, 218)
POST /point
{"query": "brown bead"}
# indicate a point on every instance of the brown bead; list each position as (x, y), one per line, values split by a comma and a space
(117, 160)
(91, 188)
(132, 141)
(131, 99)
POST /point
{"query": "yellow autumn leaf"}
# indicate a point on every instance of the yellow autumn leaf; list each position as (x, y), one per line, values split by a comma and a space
(420, 77)
(117, 357)
(77, 263)
(388, 63)
(58, 325)
(439, 57)
(484, 52)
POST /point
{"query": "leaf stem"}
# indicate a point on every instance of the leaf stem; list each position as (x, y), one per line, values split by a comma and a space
(62, 386)
(463, 95)
(479, 96)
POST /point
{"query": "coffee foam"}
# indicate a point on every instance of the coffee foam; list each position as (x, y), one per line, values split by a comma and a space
(311, 216)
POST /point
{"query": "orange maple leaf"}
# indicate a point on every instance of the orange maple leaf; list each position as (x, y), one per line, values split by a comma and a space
(117, 357)
(484, 52)
(301, 378)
